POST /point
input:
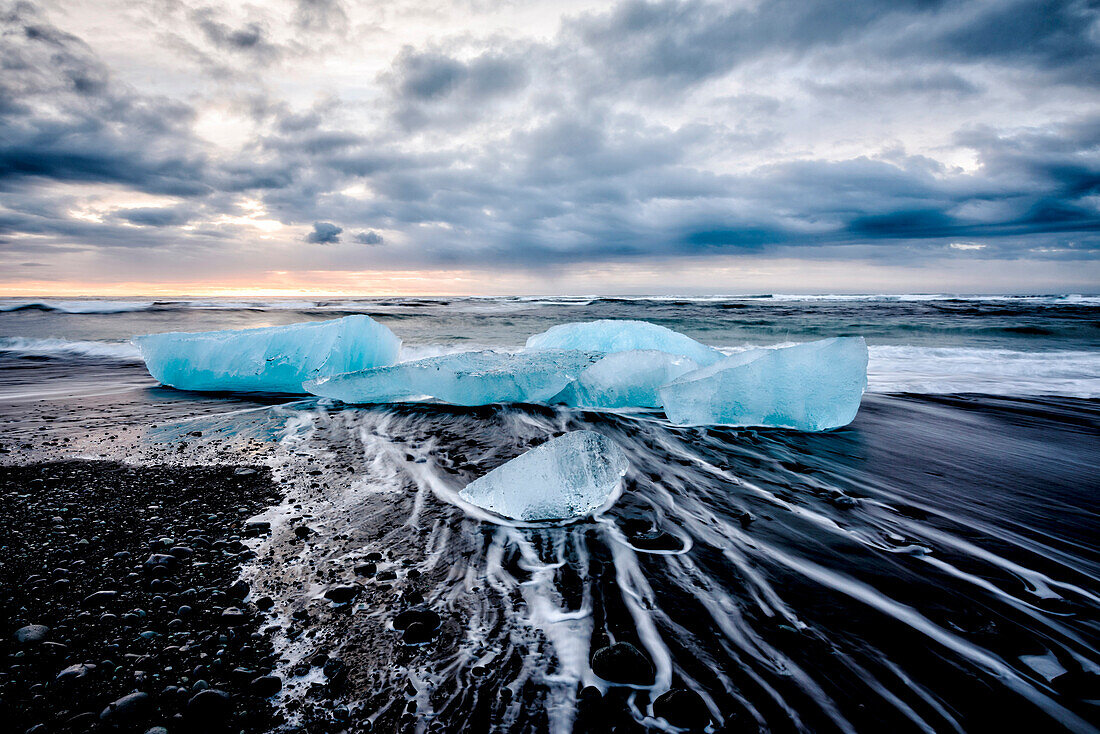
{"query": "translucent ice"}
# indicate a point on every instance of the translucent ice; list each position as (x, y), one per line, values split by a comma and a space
(467, 378)
(811, 387)
(566, 477)
(271, 359)
(625, 380)
(623, 336)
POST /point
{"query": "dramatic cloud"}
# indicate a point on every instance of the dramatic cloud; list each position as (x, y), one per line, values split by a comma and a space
(217, 137)
(369, 238)
(324, 233)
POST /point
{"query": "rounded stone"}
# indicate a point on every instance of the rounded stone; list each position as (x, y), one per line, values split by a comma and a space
(32, 634)
(266, 685)
(623, 663)
(335, 669)
(682, 708)
(128, 709)
(75, 673)
(209, 705)
(343, 594)
(418, 633)
(424, 616)
(233, 616)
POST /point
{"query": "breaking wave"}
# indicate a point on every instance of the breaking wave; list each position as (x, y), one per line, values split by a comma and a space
(121, 351)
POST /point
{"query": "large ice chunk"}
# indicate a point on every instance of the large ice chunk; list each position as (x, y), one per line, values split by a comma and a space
(623, 336)
(269, 359)
(625, 380)
(466, 378)
(566, 477)
(810, 387)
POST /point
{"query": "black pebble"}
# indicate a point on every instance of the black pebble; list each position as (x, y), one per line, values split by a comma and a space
(335, 669)
(128, 709)
(343, 594)
(266, 685)
(233, 616)
(623, 663)
(683, 708)
(417, 633)
(210, 705)
(423, 616)
(32, 634)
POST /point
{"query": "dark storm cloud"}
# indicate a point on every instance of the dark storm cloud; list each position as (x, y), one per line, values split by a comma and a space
(250, 38)
(152, 216)
(692, 41)
(1055, 35)
(369, 238)
(428, 76)
(324, 233)
(431, 87)
(573, 159)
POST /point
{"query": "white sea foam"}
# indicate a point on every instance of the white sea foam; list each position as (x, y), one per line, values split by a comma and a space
(944, 370)
(1051, 300)
(61, 347)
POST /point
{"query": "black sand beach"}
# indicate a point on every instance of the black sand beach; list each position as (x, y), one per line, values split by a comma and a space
(121, 602)
(382, 618)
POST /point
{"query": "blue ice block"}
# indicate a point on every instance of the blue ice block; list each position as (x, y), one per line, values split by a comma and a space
(466, 378)
(625, 380)
(623, 336)
(809, 387)
(275, 359)
(566, 477)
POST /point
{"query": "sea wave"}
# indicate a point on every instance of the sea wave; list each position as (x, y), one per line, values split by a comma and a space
(79, 307)
(121, 351)
(948, 370)
(1036, 300)
(505, 303)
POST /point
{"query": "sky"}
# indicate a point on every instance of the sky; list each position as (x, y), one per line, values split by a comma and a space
(515, 146)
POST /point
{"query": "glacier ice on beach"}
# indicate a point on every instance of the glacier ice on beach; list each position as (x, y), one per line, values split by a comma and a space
(625, 380)
(566, 477)
(622, 336)
(466, 378)
(810, 387)
(269, 359)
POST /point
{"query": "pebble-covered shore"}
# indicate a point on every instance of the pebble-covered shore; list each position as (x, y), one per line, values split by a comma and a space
(120, 602)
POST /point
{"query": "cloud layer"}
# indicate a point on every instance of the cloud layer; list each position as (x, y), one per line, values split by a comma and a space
(321, 135)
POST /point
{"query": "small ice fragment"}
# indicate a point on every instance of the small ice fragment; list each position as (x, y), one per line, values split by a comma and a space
(625, 380)
(622, 336)
(566, 477)
(269, 359)
(466, 378)
(809, 387)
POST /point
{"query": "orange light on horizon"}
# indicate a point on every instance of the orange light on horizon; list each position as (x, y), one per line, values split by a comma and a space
(273, 284)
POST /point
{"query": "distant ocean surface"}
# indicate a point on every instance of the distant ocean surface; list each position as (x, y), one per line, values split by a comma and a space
(933, 567)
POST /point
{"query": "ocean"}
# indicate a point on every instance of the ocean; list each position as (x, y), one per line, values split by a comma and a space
(934, 566)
